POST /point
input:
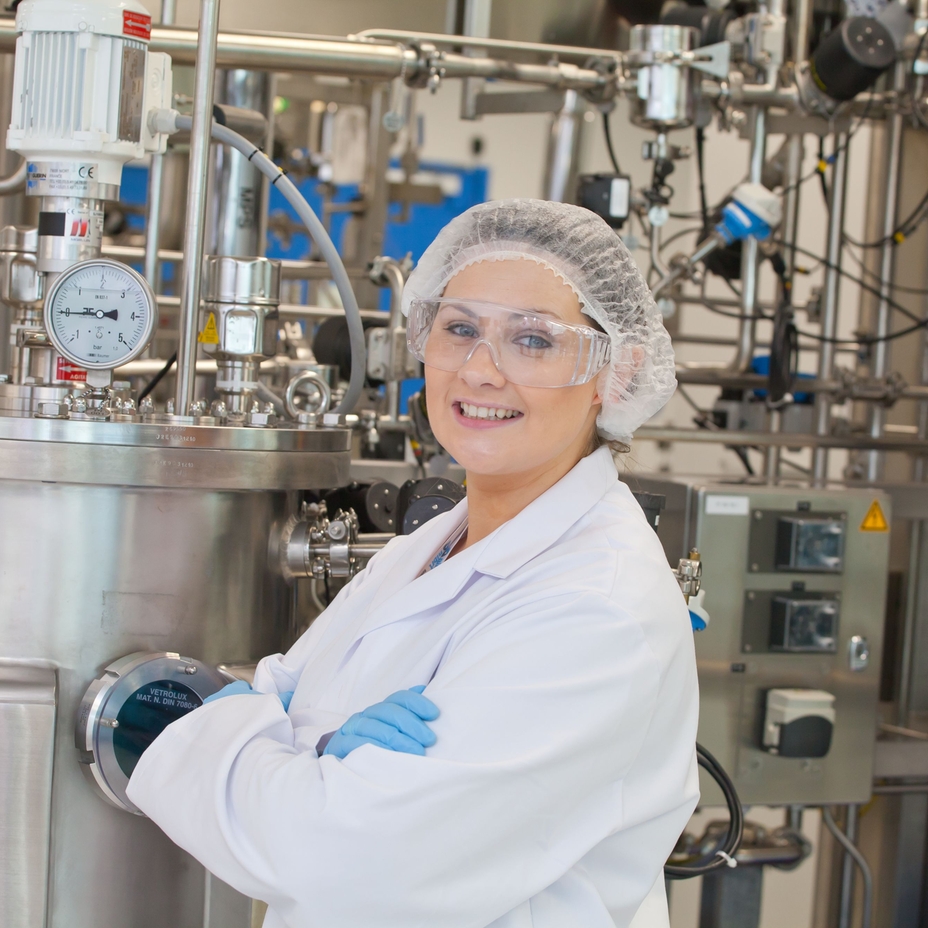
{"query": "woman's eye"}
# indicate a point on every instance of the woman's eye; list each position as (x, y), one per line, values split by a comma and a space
(462, 329)
(533, 341)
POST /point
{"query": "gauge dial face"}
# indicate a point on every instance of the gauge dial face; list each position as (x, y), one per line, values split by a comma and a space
(100, 314)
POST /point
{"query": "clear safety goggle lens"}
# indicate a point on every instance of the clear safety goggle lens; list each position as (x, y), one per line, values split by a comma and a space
(527, 348)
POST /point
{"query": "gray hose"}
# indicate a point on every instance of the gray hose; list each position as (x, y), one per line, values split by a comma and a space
(858, 859)
(325, 244)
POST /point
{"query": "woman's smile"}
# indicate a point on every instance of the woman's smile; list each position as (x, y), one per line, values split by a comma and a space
(484, 415)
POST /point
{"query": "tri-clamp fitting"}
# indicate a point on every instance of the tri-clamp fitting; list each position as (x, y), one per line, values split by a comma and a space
(315, 545)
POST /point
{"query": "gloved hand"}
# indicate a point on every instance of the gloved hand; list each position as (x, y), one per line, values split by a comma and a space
(396, 724)
(241, 688)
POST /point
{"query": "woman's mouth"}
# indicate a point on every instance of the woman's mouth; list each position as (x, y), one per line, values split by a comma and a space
(484, 416)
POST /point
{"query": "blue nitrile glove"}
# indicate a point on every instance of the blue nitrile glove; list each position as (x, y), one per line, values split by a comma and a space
(396, 724)
(242, 688)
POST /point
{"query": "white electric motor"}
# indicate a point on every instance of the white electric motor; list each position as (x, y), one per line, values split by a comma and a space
(84, 84)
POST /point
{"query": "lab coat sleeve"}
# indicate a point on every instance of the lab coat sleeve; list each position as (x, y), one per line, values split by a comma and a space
(543, 714)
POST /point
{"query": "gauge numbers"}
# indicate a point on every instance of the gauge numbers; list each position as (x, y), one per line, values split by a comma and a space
(100, 314)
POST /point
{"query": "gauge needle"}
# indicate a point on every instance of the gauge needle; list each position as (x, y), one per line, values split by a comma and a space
(96, 313)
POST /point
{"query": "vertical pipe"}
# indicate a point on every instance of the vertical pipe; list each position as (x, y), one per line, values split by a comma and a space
(194, 238)
(802, 25)
(749, 250)
(156, 186)
(772, 454)
(564, 150)
(791, 204)
(826, 357)
(880, 367)
(846, 907)
(909, 621)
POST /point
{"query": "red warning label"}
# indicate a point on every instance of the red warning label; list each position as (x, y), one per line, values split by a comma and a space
(69, 373)
(136, 24)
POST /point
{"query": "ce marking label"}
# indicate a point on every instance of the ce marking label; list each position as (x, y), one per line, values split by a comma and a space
(85, 171)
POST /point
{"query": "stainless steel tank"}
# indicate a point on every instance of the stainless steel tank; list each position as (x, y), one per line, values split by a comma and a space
(118, 538)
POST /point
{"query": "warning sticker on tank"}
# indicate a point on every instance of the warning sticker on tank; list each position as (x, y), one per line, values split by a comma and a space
(137, 24)
(210, 334)
(874, 520)
(66, 179)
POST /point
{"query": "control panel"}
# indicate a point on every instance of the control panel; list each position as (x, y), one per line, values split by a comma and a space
(794, 584)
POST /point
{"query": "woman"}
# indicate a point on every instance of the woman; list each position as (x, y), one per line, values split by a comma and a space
(546, 771)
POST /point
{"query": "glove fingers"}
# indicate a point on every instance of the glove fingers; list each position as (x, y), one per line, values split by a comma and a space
(387, 735)
(402, 720)
(415, 702)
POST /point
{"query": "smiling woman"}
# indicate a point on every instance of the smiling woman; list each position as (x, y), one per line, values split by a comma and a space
(493, 725)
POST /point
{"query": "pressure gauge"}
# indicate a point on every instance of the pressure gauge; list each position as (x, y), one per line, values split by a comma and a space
(100, 314)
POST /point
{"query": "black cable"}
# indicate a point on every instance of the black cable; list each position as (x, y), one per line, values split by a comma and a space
(607, 132)
(857, 280)
(171, 361)
(916, 291)
(905, 228)
(700, 167)
(732, 840)
(820, 170)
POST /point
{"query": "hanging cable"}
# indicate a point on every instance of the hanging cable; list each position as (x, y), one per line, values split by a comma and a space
(607, 132)
(724, 854)
(171, 361)
(701, 169)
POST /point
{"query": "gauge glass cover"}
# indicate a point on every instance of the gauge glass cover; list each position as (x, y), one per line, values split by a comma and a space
(100, 314)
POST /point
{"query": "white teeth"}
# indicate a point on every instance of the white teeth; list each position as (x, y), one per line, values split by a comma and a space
(486, 412)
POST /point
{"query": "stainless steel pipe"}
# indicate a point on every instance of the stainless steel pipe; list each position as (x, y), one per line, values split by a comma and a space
(200, 138)
(826, 358)
(881, 350)
(347, 58)
(749, 251)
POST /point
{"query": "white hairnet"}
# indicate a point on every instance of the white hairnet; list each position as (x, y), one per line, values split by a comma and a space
(588, 256)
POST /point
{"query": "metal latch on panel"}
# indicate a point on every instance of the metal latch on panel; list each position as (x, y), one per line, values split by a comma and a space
(128, 706)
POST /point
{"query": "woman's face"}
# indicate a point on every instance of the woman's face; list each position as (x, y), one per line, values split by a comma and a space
(550, 425)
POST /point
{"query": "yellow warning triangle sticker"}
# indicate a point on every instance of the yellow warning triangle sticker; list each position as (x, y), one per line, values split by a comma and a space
(874, 520)
(210, 334)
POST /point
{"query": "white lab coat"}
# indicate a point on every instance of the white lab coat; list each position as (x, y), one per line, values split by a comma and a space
(560, 654)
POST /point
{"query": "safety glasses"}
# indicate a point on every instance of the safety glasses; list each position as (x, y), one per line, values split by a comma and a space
(528, 348)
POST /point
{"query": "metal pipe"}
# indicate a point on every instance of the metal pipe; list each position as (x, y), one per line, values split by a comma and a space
(153, 221)
(749, 251)
(826, 357)
(772, 454)
(289, 269)
(200, 139)
(802, 21)
(396, 281)
(156, 187)
(910, 619)
(500, 45)
(347, 58)
(791, 204)
(781, 439)
(881, 349)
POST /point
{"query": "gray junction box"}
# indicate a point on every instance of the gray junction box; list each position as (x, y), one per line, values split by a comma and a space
(795, 589)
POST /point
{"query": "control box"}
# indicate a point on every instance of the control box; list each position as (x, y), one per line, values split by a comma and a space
(795, 586)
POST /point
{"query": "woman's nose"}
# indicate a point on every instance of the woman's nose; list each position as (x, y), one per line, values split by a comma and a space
(479, 369)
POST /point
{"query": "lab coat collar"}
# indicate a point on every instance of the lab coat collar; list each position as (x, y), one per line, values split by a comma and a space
(547, 518)
(405, 591)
